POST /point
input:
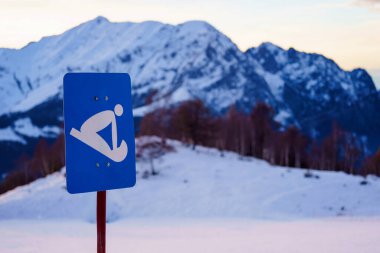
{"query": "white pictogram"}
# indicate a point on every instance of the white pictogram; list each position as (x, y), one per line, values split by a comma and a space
(88, 134)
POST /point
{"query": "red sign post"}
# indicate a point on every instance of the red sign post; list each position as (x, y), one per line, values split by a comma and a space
(101, 220)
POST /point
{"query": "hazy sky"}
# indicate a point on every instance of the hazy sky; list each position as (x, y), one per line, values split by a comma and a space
(348, 31)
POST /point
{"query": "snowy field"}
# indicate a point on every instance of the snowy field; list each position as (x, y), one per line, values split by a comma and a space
(339, 235)
(200, 202)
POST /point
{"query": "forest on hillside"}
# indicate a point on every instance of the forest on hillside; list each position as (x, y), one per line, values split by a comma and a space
(256, 134)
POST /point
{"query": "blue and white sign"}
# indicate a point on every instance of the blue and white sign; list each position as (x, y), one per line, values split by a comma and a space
(99, 132)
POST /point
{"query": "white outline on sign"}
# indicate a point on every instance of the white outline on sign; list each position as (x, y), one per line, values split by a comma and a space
(88, 134)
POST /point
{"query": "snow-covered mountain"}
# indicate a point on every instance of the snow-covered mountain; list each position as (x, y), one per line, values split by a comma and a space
(317, 91)
(175, 63)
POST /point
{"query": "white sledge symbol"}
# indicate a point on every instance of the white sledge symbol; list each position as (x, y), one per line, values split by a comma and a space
(88, 134)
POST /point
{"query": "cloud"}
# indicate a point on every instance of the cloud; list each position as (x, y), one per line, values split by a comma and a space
(372, 5)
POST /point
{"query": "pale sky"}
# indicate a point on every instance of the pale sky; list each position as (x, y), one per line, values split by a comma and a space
(348, 31)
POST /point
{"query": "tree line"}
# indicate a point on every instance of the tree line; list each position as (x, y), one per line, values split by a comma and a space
(257, 134)
(254, 134)
(46, 159)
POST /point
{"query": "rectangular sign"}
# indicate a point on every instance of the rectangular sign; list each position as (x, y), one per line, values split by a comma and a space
(99, 132)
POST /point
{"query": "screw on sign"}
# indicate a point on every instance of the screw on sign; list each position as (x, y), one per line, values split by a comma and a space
(99, 137)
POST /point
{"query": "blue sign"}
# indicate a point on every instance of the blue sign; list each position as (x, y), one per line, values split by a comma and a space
(99, 132)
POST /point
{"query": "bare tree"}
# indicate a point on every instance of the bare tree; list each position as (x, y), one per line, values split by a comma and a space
(150, 149)
(263, 126)
(193, 120)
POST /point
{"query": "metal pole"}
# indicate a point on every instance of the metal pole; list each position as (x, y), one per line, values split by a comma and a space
(101, 220)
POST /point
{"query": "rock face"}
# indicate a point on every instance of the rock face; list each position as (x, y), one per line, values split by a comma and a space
(174, 63)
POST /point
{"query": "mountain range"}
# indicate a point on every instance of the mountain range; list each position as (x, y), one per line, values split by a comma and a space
(173, 63)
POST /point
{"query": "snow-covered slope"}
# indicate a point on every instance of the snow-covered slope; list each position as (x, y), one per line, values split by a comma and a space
(202, 184)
